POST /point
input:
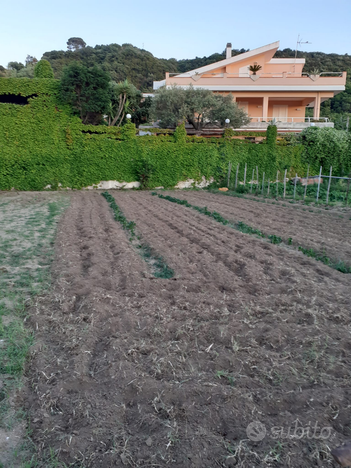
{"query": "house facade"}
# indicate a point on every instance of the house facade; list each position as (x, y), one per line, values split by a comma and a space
(277, 90)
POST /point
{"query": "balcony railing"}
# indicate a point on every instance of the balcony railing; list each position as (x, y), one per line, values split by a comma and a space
(289, 119)
(264, 75)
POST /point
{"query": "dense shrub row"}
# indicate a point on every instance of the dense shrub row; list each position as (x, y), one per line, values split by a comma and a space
(43, 144)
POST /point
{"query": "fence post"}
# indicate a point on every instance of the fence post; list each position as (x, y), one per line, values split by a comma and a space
(263, 184)
(295, 185)
(236, 177)
(253, 174)
(330, 173)
(245, 175)
(284, 183)
(319, 183)
(304, 195)
(229, 170)
(277, 183)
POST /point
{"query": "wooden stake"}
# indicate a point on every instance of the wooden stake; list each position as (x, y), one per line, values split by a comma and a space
(330, 173)
(268, 188)
(245, 175)
(277, 183)
(257, 180)
(295, 186)
(262, 183)
(236, 177)
(284, 183)
(253, 175)
(229, 169)
(319, 183)
(304, 195)
(348, 189)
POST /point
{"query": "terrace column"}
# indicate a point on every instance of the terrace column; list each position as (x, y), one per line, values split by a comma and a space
(317, 107)
(265, 108)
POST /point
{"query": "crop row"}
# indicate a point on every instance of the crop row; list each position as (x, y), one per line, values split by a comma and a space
(273, 238)
(156, 263)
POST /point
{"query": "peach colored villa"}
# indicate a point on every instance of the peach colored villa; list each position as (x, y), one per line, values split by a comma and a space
(280, 90)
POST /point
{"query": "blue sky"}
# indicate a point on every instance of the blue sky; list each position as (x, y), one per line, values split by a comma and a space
(181, 29)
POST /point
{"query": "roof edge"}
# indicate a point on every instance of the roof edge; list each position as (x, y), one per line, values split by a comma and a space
(236, 58)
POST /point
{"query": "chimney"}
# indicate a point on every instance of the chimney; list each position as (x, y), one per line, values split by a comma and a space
(228, 51)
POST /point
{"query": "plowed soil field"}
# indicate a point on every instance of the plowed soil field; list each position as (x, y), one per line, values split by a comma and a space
(133, 370)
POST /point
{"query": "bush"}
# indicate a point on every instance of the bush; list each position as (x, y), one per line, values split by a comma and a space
(271, 135)
(43, 70)
(327, 147)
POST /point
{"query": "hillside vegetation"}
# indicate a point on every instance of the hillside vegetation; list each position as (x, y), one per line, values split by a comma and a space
(141, 68)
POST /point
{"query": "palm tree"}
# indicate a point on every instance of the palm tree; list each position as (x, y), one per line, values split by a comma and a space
(254, 68)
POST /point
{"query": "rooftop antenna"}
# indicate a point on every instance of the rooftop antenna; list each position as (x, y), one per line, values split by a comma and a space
(298, 43)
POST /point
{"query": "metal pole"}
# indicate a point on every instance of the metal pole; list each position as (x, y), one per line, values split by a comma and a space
(253, 174)
(257, 180)
(319, 182)
(304, 195)
(295, 185)
(329, 184)
(245, 175)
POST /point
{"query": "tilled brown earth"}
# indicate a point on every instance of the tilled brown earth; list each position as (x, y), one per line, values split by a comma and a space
(324, 231)
(130, 370)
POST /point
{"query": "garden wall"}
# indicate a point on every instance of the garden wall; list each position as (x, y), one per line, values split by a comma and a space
(43, 144)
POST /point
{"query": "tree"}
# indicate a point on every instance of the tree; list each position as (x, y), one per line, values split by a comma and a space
(141, 112)
(2, 71)
(15, 66)
(43, 70)
(87, 90)
(126, 98)
(30, 60)
(196, 105)
(75, 43)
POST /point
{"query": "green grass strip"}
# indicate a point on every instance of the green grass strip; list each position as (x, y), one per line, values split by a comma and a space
(274, 239)
(119, 216)
(157, 264)
(322, 257)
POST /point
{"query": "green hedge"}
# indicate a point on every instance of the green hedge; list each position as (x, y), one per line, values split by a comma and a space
(43, 144)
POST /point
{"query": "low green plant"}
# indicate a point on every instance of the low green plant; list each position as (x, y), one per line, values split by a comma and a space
(225, 374)
(276, 239)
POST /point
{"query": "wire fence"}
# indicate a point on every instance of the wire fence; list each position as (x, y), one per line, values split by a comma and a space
(306, 188)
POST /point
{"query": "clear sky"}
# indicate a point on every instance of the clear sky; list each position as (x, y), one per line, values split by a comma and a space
(179, 29)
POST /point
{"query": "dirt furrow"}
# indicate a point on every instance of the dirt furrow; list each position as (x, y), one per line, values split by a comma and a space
(322, 234)
(130, 370)
(231, 255)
